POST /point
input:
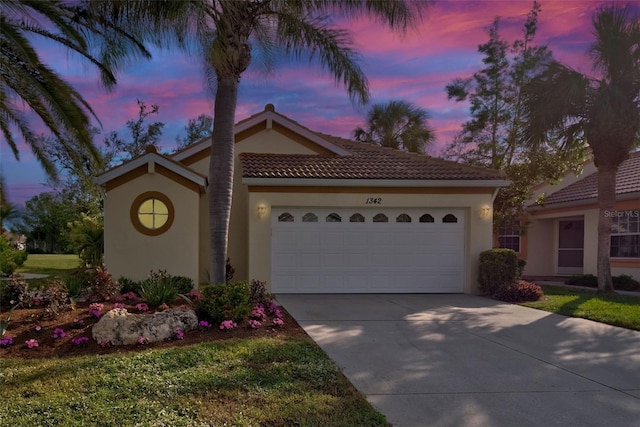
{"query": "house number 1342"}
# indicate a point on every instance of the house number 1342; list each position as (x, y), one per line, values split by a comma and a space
(373, 201)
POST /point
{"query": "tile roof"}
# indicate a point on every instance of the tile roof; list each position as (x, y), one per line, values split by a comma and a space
(367, 161)
(627, 181)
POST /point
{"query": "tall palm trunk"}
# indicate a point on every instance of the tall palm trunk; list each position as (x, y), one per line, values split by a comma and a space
(221, 175)
(606, 202)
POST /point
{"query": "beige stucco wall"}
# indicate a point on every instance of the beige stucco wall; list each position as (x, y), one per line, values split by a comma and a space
(266, 141)
(126, 249)
(478, 230)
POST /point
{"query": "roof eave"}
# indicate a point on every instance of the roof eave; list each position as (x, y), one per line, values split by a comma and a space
(579, 203)
(320, 182)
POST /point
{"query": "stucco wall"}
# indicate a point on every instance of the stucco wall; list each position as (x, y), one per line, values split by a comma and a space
(132, 254)
(478, 230)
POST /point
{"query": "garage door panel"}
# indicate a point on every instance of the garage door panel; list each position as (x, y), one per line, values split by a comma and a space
(365, 256)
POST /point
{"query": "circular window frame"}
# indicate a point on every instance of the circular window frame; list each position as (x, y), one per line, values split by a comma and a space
(135, 206)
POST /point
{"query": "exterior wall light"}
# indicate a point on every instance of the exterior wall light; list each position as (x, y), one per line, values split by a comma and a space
(485, 212)
(261, 211)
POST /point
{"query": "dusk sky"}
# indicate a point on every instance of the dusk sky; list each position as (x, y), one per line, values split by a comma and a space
(415, 68)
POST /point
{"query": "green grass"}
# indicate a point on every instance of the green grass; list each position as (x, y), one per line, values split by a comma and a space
(251, 382)
(54, 266)
(617, 310)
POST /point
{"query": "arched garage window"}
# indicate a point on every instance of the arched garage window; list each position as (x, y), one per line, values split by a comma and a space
(403, 218)
(333, 217)
(285, 217)
(356, 217)
(426, 218)
(449, 218)
(380, 218)
(152, 213)
(310, 217)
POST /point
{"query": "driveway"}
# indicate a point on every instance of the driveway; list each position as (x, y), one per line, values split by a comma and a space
(463, 360)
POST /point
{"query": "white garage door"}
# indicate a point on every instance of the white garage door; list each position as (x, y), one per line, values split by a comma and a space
(367, 250)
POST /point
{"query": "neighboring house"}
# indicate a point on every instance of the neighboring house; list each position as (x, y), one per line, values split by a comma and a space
(562, 232)
(311, 213)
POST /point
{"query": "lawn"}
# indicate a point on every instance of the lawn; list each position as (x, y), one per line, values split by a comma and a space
(52, 265)
(617, 310)
(244, 382)
(274, 380)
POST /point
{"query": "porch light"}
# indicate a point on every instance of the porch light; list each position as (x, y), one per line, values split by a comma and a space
(485, 212)
(261, 211)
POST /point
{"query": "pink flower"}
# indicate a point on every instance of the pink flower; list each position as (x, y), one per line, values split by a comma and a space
(204, 324)
(95, 313)
(80, 341)
(195, 295)
(118, 305)
(37, 328)
(32, 343)
(59, 333)
(258, 312)
(254, 324)
(278, 322)
(96, 306)
(6, 342)
(228, 325)
(178, 334)
(131, 296)
(143, 340)
(105, 343)
(142, 307)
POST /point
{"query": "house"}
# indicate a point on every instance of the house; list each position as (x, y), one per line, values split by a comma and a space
(311, 213)
(562, 233)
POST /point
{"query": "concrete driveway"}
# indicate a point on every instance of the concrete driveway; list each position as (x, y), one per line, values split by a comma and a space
(462, 360)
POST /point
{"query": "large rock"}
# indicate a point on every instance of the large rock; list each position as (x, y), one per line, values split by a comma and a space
(123, 328)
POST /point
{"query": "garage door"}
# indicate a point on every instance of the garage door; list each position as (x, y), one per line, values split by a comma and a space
(367, 250)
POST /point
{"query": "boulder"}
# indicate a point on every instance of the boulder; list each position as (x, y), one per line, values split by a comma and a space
(120, 327)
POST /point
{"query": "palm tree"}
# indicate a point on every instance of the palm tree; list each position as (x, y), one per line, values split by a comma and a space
(225, 32)
(26, 80)
(397, 124)
(603, 111)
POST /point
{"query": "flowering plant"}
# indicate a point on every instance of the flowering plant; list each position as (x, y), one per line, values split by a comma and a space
(32, 343)
(278, 322)
(118, 305)
(95, 313)
(195, 295)
(178, 334)
(227, 325)
(142, 307)
(204, 325)
(143, 340)
(258, 312)
(96, 306)
(6, 341)
(254, 324)
(80, 341)
(59, 333)
(105, 343)
(37, 328)
(131, 296)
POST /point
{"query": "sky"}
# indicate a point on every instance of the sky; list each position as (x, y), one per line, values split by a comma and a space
(414, 67)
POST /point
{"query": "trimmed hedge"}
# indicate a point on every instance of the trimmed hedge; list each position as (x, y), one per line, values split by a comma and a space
(498, 269)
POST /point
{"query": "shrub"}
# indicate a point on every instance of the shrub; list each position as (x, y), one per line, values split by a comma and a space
(57, 297)
(183, 284)
(129, 285)
(18, 291)
(102, 286)
(587, 280)
(498, 269)
(519, 292)
(259, 294)
(76, 285)
(222, 301)
(10, 258)
(625, 283)
(158, 289)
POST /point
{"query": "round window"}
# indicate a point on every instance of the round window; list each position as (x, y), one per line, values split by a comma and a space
(152, 213)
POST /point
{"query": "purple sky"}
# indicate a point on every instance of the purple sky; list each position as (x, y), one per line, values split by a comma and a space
(416, 68)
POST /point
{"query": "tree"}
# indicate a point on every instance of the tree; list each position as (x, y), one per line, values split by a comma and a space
(87, 239)
(493, 137)
(225, 31)
(197, 129)
(27, 81)
(602, 111)
(142, 135)
(45, 222)
(399, 125)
